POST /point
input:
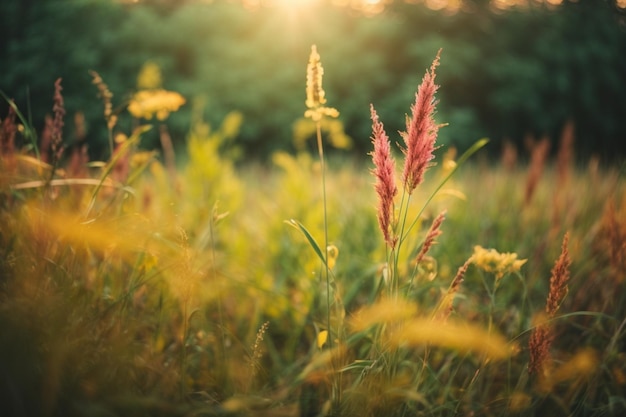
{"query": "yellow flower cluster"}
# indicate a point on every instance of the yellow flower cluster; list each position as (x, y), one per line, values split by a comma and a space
(160, 103)
(499, 264)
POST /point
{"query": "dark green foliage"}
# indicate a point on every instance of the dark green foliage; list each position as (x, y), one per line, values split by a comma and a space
(505, 74)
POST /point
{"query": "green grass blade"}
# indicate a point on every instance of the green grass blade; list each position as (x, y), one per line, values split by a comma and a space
(309, 237)
(111, 164)
(468, 153)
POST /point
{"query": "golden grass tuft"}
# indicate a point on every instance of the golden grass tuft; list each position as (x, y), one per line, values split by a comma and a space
(455, 335)
(385, 311)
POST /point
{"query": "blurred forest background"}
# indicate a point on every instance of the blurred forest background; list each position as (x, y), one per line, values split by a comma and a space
(509, 69)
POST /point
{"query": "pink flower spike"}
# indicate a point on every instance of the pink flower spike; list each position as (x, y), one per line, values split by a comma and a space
(421, 132)
(384, 171)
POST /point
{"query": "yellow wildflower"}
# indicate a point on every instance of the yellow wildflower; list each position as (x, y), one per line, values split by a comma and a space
(160, 103)
(500, 264)
(332, 253)
(322, 337)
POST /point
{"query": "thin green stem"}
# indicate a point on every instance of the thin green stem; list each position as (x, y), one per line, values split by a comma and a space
(219, 298)
(336, 384)
(183, 354)
(320, 149)
(473, 149)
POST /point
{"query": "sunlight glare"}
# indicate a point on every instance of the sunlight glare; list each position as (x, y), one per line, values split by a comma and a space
(369, 7)
(448, 5)
(285, 4)
(294, 3)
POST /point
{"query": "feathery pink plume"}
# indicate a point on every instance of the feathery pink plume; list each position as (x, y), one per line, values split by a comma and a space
(421, 131)
(384, 172)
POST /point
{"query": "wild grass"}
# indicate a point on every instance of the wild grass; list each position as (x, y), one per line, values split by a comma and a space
(134, 287)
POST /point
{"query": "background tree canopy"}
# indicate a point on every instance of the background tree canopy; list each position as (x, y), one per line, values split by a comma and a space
(504, 73)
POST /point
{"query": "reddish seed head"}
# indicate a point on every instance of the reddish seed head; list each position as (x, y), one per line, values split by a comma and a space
(435, 230)
(559, 279)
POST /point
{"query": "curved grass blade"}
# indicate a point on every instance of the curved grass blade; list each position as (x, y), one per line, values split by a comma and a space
(471, 151)
(111, 164)
(309, 237)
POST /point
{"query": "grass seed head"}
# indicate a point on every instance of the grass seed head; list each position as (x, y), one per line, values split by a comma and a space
(433, 233)
(445, 306)
(106, 95)
(58, 109)
(558, 280)
(384, 171)
(315, 95)
(421, 131)
(539, 346)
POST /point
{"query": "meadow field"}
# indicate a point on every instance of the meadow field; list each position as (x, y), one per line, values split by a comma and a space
(154, 284)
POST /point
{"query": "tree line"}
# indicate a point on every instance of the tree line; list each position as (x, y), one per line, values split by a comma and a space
(504, 73)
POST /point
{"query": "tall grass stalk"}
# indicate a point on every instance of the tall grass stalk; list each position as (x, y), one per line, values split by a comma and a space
(316, 110)
(419, 139)
(320, 149)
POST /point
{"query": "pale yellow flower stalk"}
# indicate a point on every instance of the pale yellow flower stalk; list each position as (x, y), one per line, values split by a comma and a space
(315, 101)
(315, 95)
